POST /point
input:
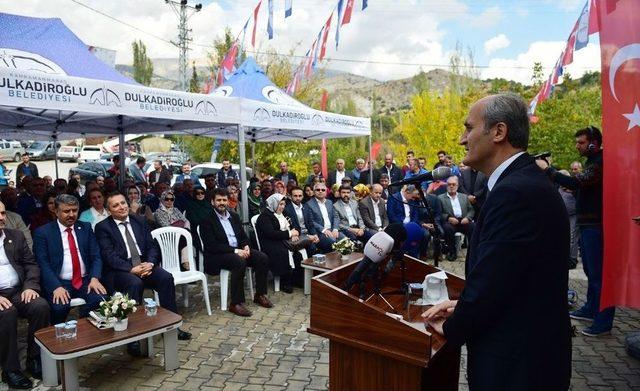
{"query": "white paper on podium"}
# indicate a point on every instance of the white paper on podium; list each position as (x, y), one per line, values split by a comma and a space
(433, 294)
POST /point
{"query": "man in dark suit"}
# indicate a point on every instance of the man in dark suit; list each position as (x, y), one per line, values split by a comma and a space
(285, 175)
(320, 219)
(26, 169)
(132, 259)
(457, 215)
(393, 172)
(30, 201)
(159, 174)
(373, 210)
(350, 223)
(226, 246)
(474, 184)
(69, 260)
(512, 313)
(19, 297)
(337, 175)
(402, 206)
(225, 173)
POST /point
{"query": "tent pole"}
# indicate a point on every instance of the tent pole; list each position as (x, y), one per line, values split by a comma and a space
(121, 153)
(253, 156)
(54, 138)
(243, 176)
(370, 164)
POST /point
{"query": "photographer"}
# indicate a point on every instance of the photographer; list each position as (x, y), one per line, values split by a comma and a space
(588, 190)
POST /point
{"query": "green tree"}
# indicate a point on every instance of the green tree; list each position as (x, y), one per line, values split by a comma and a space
(194, 84)
(538, 76)
(142, 65)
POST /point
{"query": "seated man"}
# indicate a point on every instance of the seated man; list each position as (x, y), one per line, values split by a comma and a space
(403, 207)
(132, 259)
(373, 210)
(457, 215)
(320, 219)
(294, 210)
(19, 296)
(226, 246)
(350, 222)
(69, 259)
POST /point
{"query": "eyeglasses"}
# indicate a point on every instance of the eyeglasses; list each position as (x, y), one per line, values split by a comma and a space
(169, 199)
(319, 189)
(199, 193)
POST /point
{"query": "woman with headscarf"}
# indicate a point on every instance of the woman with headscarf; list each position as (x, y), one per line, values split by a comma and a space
(277, 238)
(279, 187)
(169, 216)
(198, 209)
(307, 193)
(254, 195)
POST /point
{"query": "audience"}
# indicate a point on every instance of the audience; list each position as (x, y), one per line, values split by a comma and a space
(321, 220)
(46, 214)
(373, 210)
(97, 212)
(350, 223)
(457, 215)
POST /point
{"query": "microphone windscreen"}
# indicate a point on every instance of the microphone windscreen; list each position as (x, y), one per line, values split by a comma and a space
(378, 247)
(442, 172)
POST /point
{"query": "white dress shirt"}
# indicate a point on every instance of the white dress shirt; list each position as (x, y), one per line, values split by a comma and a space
(500, 169)
(350, 216)
(8, 275)
(455, 204)
(376, 213)
(300, 217)
(124, 237)
(228, 229)
(97, 216)
(325, 215)
(66, 273)
(340, 175)
(407, 209)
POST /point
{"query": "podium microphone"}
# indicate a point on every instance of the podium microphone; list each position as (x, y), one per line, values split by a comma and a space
(435, 175)
(376, 250)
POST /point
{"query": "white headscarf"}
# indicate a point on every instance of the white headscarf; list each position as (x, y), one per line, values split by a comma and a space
(272, 204)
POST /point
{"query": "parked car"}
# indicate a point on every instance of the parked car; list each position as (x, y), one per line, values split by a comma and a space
(89, 171)
(11, 150)
(90, 153)
(68, 153)
(42, 150)
(201, 170)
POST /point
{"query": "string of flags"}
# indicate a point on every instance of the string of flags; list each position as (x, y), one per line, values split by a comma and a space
(586, 25)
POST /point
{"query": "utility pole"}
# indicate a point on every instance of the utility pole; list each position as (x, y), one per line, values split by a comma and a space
(184, 12)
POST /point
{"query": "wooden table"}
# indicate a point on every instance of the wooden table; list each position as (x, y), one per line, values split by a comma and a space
(333, 261)
(90, 340)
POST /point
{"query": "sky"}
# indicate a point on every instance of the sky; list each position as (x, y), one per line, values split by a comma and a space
(391, 39)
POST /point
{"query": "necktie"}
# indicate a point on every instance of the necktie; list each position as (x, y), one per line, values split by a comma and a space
(135, 256)
(76, 279)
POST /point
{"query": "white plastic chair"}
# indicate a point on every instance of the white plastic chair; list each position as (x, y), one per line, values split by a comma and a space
(276, 279)
(168, 239)
(224, 276)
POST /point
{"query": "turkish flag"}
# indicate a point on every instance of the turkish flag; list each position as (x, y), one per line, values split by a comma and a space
(255, 23)
(348, 9)
(619, 22)
(323, 149)
(327, 26)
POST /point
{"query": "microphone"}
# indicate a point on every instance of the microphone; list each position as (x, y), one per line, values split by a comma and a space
(435, 175)
(376, 250)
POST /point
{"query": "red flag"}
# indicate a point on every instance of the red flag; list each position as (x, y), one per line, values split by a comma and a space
(323, 149)
(620, 57)
(346, 18)
(594, 27)
(568, 51)
(327, 26)
(255, 23)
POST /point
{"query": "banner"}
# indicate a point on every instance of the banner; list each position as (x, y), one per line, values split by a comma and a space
(619, 23)
(255, 23)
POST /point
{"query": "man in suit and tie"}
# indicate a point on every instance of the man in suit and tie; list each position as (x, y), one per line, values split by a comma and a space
(159, 174)
(351, 223)
(512, 313)
(457, 215)
(321, 220)
(132, 259)
(69, 260)
(373, 210)
(226, 246)
(19, 297)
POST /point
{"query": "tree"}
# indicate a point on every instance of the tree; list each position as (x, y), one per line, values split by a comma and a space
(538, 77)
(142, 65)
(194, 84)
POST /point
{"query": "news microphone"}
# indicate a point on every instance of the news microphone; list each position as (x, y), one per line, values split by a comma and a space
(435, 175)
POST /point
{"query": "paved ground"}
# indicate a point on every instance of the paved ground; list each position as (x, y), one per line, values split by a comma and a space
(273, 351)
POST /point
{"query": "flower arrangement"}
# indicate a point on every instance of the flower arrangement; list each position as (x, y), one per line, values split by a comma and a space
(344, 246)
(119, 306)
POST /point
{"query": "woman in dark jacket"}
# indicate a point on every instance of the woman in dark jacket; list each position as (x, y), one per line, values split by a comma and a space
(273, 230)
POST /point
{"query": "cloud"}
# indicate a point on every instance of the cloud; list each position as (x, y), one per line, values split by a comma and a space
(547, 53)
(487, 18)
(498, 42)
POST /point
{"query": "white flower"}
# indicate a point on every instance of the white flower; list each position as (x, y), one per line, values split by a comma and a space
(114, 307)
(116, 295)
(134, 309)
(124, 305)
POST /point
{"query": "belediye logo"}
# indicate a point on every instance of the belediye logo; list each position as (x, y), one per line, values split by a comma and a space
(205, 107)
(104, 97)
(261, 115)
(317, 119)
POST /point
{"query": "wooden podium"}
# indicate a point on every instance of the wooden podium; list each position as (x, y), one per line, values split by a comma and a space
(373, 350)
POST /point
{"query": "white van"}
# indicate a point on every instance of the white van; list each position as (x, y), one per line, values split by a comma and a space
(90, 153)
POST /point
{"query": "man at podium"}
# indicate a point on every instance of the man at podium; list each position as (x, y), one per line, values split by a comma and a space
(513, 311)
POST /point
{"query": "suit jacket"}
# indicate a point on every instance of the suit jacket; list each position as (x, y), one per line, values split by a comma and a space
(395, 174)
(20, 170)
(165, 176)
(395, 209)
(114, 249)
(14, 221)
(447, 208)
(47, 246)
(221, 179)
(435, 208)
(290, 212)
(513, 311)
(137, 173)
(364, 176)
(477, 187)
(278, 177)
(26, 207)
(21, 259)
(368, 213)
(331, 178)
(215, 238)
(340, 210)
(313, 217)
